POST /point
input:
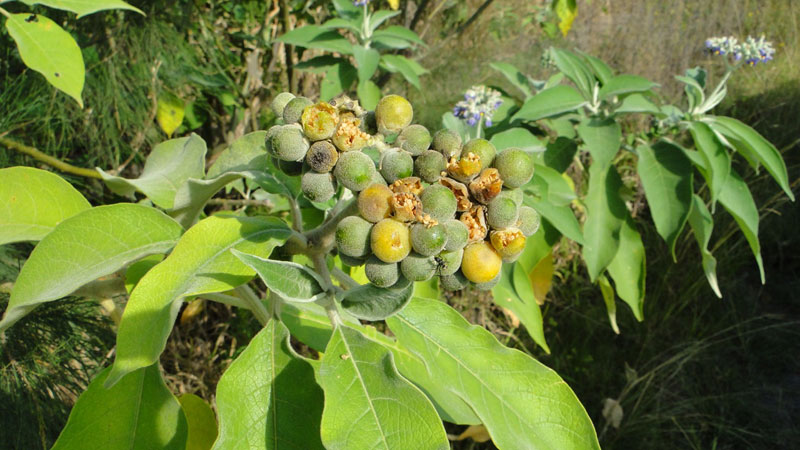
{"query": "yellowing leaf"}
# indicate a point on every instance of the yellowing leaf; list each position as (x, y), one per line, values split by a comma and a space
(394, 4)
(542, 278)
(566, 10)
(170, 113)
(478, 433)
(192, 310)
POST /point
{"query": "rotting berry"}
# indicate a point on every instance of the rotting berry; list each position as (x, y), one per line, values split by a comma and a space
(463, 202)
(322, 156)
(349, 136)
(487, 186)
(411, 185)
(406, 207)
(475, 221)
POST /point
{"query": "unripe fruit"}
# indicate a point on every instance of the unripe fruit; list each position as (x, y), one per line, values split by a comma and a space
(489, 285)
(322, 156)
(289, 144)
(390, 240)
(465, 168)
(381, 274)
(428, 240)
(439, 202)
(429, 166)
(319, 121)
(355, 171)
(351, 261)
(447, 263)
(294, 109)
(448, 143)
(414, 139)
(487, 186)
(509, 243)
(454, 282)
(291, 168)
(475, 220)
(396, 164)
(502, 212)
(349, 136)
(463, 202)
(480, 263)
(279, 103)
(318, 187)
(484, 150)
(417, 267)
(393, 113)
(457, 235)
(529, 220)
(374, 203)
(515, 167)
(353, 236)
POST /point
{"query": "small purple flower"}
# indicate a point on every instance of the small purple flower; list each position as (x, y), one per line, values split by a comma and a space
(480, 102)
(360, 2)
(752, 50)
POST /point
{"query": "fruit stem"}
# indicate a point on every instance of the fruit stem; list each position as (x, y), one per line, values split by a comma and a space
(329, 301)
(320, 239)
(47, 159)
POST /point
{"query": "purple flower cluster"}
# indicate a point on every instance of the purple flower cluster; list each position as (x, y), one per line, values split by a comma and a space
(360, 2)
(752, 50)
(480, 102)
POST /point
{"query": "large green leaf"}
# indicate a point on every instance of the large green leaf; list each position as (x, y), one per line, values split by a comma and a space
(368, 405)
(33, 202)
(369, 94)
(398, 32)
(550, 102)
(514, 76)
(602, 138)
(369, 302)
(561, 217)
(46, 48)
(84, 7)
(139, 412)
(167, 167)
(625, 84)
(604, 217)
(85, 247)
(561, 152)
(249, 152)
(638, 103)
(552, 185)
(522, 403)
(315, 36)
(628, 268)
(519, 138)
(338, 79)
(666, 175)
(193, 195)
(200, 263)
(747, 140)
(291, 281)
(267, 398)
(575, 69)
(702, 224)
(397, 63)
(367, 60)
(201, 422)
(378, 17)
(599, 67)
(716, 157)
(736, 198)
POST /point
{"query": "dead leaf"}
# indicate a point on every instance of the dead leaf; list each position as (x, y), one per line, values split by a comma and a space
(612, 412)
(478, 433)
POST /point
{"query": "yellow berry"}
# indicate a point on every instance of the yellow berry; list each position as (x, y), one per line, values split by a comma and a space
(481, 263)
(390, 240)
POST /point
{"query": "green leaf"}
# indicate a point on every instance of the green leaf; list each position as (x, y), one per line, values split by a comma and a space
(396, 63)
(702, 224)
(316, 36)
(604, 217)
(638, 103)
(200, 263)
(666, 175)
(337, 79)
(552, 185)
(550, 102)
(522, 403)
(249, 152)
(533, 318)
(398, 32)
(514, 76)
(193, 195)
(602, 138)
(628, 268)
(379, 17)
(560, 153)
(268, 396)
(566, 10)
(347, 9)
(201, 421)
(694, 91)
(367, 60)
(599, 67)
(84, 7)
(342, 23)
(747, 140)
(716, 157)
(737, 200)
(369, 94)
(385, 42)
(46, 48)
(167, 167)
(91, 244)
(33, 202)
(517, 137)
(608, 298)
(625, 84)
(319, 64)
(561, 217)
(575, 69)
(368, 405)
(369, 302)
(138, 412)
(453, 123)
(291, 281)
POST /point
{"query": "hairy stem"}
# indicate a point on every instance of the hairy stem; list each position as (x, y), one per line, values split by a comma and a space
(320, 239)
(344, 279)
(47, 159)
(329, 302)
(297, 216)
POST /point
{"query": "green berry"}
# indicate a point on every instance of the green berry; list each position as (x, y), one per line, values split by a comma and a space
(374, 202)
(489, 285)
(481, 148)
(428, 241)
(288, 143)
(457, 235)
(414, 139)
(454, 282)
(448, 263)
(396, 164)
(502, 212)
(393, 113)
(294, 109)
(319, 121)
(515, 167)
(351, 261)
(322, 156)
(439, 202)
(354, 170)
(429, 166)
(318, 187)
(381, 274)
(417, 267)
(279, 103)
(529, 220)
(353, 236)
(448, 143)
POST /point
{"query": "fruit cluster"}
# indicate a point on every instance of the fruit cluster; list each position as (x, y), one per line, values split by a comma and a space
(428, 205)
